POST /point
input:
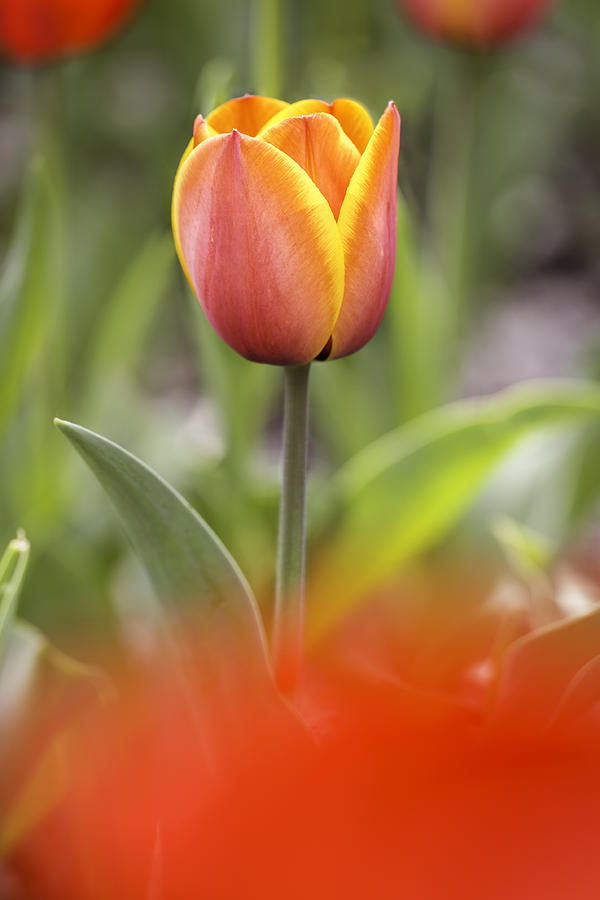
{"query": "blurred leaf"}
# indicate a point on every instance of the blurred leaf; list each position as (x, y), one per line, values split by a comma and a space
(417, 326)
(183, 557)
(12, 571)
(42, 690)
(343, 392)
(528, 552)
(243, 391)
(131, 309)
(406, 490)
(31, 285)
(585, 466)
(215, 84)
(36, 699)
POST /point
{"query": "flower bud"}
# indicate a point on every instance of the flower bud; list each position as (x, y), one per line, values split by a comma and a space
(284, 218)
(38, 30)
(477, 22)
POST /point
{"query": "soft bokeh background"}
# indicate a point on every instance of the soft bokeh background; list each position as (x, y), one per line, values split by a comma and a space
(498, 279)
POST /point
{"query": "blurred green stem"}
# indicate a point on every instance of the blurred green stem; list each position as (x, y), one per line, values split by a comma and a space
(288, 621)
(451, 185)
(12, 570)
(267, 45)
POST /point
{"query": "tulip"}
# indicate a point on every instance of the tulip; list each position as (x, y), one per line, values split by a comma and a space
(476, 22)
(284, 218)
(38, 30)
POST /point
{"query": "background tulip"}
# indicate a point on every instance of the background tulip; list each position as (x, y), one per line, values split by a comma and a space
(479, 22)
(285, 222)
(37, 30)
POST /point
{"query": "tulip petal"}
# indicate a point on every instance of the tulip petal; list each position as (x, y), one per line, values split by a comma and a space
(262, 249)
(246, 114)
(355, 120)
(299, 108)
(190, 147)
(318, 144)
(367, 224)
(202, 130)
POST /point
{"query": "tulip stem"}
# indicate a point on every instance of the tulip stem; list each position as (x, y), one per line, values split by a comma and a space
(266, 47)
(288, 620)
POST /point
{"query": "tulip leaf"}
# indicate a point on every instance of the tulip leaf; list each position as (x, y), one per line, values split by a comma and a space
(31, 285)
(404, 491)
(242, 390)
(182, 556)
(527, 552)
(131, 308)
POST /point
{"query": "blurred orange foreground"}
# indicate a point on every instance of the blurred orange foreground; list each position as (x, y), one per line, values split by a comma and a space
(200, 781)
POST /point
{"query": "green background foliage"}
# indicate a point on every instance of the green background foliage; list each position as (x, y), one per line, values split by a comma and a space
(497, 277)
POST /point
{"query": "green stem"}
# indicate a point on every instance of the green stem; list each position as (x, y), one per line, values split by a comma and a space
(451, 193)
(288, 621)
(12, 571)
(267, 47)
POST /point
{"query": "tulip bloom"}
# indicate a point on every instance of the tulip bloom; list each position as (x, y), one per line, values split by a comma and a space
(284, 218)
(39, 30)
(477, 22)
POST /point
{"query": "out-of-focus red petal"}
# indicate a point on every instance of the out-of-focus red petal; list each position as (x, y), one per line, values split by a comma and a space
(478, 22)
(37, 30)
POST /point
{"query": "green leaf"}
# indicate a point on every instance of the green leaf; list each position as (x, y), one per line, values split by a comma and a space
(242, 390)
(528, 552)
(417, 321)
(31, 287)
(12, 571)
(183, 557)
(131, 309)
(406, 490)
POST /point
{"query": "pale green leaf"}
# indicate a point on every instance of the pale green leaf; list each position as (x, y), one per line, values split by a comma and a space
(12, 571)
(183, 557)
(131, 309)
(31, 286)
(404, 492)
(527, 551)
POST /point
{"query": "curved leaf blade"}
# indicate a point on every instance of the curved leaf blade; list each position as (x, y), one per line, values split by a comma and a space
(181, 554)
(31, 289)
(404, 491)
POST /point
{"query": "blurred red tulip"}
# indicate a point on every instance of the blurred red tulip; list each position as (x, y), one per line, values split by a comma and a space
(477, 22)
(285, 222)
(38, 30)
(406, 770)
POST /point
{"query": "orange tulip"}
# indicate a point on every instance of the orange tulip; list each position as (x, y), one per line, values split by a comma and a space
(284, 218)
(38, 30)
(477, 22)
